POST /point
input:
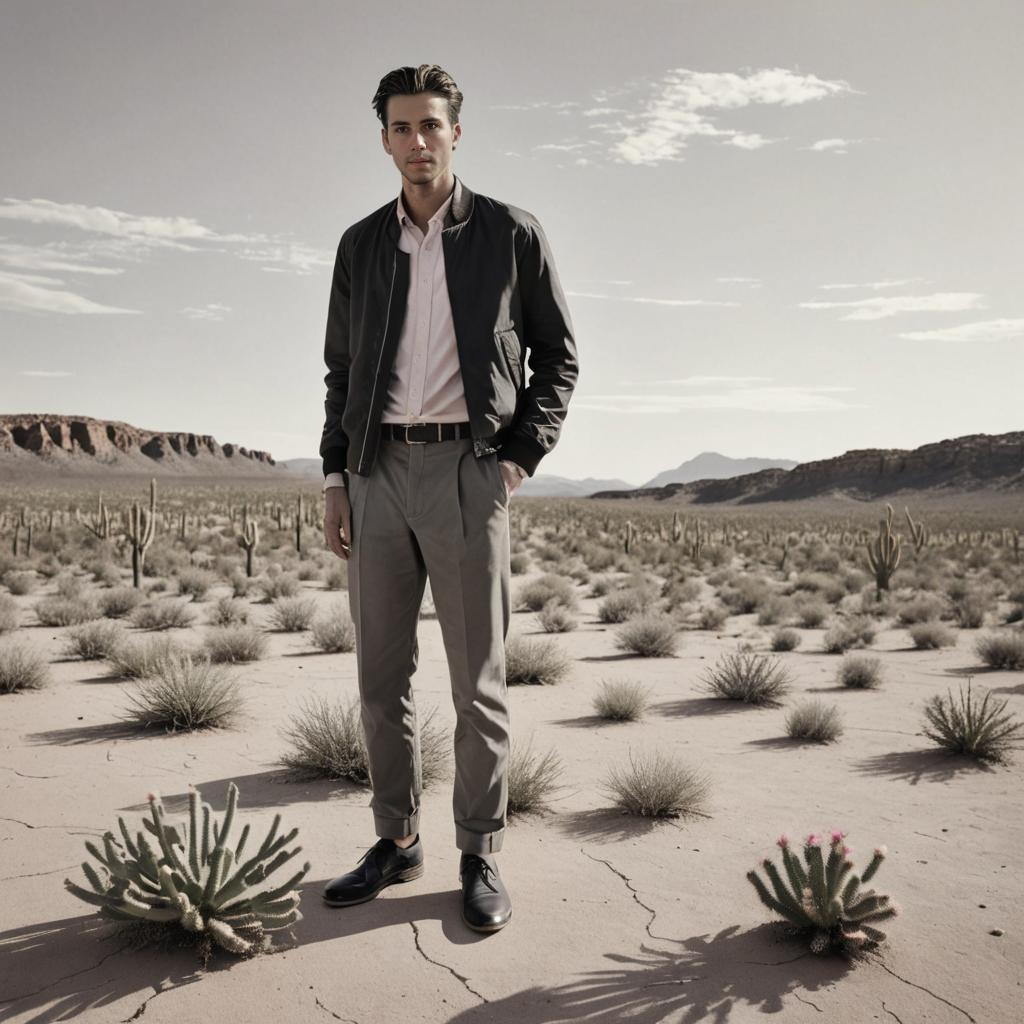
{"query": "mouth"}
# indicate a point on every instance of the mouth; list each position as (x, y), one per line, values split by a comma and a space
(419, 161)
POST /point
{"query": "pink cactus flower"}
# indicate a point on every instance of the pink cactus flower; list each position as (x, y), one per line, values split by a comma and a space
(837, 835)
(783, 840)
(881, 851)
(813, 839)
(847, 850)
(154, 795)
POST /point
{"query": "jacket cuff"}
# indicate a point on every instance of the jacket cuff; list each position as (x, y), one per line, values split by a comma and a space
(522, 451)
(334, 480)
(335, 460)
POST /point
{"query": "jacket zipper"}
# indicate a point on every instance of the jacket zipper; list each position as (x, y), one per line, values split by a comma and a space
(380, 357)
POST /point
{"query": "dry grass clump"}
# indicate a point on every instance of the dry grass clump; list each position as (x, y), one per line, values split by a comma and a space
(292, 614)
(535, 661)
(620, 605)
(650, 635)
(549, 587)
(229, 611)
(195, 583)
(93, 641)
(810, 613)
(334, 631)
(9, 617)
(22, 668)
(826, 588)
(66, 611)
(970, 607)
(619, 700)
(519, 563)
(140, 658)
(931, 635)
(118, 602)
(1002, 650)
(774, 609)
(746, 594)
(240, 584)
(556, 618)
(234, 644)
(815, 721)
(20, 583)
(712, 616)
(860, 672)
(786, 639)
(336, 578)
(163, 613)
(278, 584)
(658, 786)
(982, 731)
(327, 741)
(185, 693)
(923, 608)
(855, 632)
(532, 778)
(748, 677)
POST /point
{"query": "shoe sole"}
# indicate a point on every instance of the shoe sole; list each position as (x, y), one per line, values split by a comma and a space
(408, 875)
(487, 928)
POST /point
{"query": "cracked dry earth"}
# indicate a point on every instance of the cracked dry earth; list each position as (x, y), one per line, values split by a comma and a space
(615, 918)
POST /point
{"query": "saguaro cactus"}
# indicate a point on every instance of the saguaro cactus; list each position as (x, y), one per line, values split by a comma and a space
(140, 532)
(98, 524)
(884, 553)
(249, 538)
(918, 531)
(298, 527)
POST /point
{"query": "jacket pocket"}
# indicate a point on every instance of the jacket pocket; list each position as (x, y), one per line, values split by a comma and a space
(508, 342)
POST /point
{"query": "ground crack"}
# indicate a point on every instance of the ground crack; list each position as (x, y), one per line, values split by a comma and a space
(36, 874)
(336, 1016)
(808, 1002)
(65, 977)
(65, 827)
(914, 984)
(25, 775)
(629, 885)
(888, 1011)
(465, 981)
(145, 1002)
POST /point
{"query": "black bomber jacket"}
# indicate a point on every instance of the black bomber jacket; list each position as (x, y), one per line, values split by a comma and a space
(508, 309)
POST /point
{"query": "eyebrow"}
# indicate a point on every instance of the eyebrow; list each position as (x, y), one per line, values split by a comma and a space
(423, 120)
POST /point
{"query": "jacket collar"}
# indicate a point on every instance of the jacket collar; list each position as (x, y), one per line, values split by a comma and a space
(459, 210)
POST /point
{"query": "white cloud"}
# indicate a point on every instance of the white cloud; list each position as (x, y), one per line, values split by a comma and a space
(211, 311)
(752, 141)
(984, 330)
(684, 99)
(25, 294)
(656, 302)
(875, 285)
(885, 306)
(833, 145)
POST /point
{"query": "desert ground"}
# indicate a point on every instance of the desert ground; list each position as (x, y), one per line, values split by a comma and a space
(617, 915)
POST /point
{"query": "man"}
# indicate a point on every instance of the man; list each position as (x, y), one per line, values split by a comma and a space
(430, 427)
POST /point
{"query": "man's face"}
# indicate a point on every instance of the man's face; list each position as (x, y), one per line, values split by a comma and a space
(419, 137)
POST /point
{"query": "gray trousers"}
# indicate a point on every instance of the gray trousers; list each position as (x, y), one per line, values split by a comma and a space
(434, 510)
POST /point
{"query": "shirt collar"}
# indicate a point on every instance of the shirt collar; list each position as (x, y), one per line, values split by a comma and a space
(439, 215)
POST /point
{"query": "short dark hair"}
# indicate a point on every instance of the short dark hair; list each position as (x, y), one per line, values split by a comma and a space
(408, 81)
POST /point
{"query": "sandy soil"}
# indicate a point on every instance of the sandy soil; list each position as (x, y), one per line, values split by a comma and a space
(615, 918)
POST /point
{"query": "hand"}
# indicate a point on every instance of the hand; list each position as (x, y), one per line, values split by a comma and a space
(338, 521)
(510, 476)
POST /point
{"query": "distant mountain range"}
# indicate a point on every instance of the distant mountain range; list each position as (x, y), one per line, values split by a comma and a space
(42, 445)
(974, 462)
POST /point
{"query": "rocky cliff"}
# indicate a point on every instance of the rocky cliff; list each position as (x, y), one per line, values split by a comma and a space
(81, 444)
(975, 462)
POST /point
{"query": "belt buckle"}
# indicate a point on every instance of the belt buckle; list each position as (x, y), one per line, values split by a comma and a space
(407, 426)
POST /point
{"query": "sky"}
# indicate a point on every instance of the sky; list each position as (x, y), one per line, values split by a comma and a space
(784, 229)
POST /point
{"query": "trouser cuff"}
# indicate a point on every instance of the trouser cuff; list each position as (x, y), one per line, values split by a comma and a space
(478, 842)
(396, 828)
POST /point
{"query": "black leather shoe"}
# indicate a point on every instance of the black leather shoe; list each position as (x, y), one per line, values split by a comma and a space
(382, 865)
(486, 905)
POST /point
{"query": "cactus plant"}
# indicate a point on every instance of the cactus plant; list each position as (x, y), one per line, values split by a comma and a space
(249, 538)
(139, 531)
(884, 553)
(200, 884)
(817, 898)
